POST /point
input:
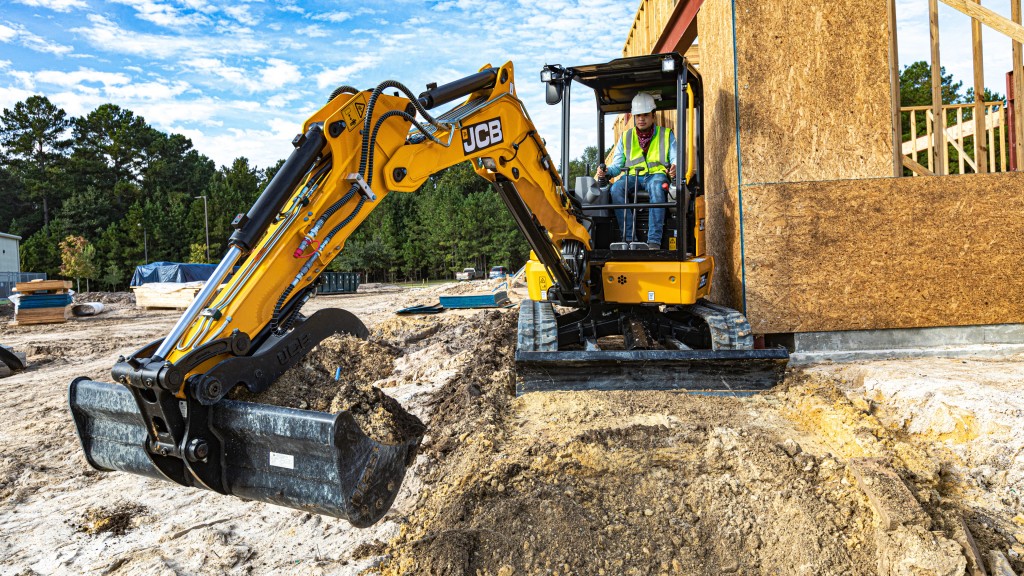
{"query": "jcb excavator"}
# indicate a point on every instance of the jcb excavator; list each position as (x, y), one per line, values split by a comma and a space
(627, 316)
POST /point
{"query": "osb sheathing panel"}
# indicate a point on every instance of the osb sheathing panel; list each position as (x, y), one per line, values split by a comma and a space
(813, 89)
(714, 24)
(884, 253)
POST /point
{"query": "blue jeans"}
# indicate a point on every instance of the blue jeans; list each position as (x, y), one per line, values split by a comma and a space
(622, 192)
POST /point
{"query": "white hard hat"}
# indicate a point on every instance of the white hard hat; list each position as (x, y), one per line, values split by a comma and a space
(643, 103)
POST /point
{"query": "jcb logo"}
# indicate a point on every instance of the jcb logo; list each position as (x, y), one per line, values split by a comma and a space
(481, 135)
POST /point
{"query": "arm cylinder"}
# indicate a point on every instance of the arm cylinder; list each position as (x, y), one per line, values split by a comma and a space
(458, 89)
(251, 226)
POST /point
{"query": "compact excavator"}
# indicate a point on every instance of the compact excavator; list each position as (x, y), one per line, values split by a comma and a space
(602, 313)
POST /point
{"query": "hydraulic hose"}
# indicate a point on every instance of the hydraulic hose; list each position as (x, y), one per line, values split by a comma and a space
(276, 316)
(343, 89)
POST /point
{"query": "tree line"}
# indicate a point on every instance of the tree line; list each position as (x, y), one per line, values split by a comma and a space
(95, 196)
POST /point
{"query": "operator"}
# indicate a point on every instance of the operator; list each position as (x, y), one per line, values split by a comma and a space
(645, 153)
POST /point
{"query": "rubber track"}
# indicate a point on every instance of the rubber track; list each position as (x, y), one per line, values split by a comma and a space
(538, 327)
(729, 329)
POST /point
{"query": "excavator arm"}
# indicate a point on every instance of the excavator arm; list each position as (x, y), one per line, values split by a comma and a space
(168, 417)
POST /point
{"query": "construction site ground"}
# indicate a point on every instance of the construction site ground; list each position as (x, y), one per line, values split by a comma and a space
(896, 467)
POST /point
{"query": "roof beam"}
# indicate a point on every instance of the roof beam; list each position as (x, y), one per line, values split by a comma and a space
(682, 31)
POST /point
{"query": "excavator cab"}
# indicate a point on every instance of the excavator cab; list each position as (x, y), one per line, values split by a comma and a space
(647, 323)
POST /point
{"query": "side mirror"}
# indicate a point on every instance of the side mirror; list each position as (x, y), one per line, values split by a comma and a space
(553, 93)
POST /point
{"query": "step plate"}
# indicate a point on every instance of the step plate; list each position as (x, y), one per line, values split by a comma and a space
(689, 370)
(311, 461)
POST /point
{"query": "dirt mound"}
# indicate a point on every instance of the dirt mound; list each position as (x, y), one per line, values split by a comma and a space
(338, 375)
(127, 298)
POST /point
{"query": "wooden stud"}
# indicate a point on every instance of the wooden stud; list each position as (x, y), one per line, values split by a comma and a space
(913, 135)
(991, 139)
(916, 168)
(980, 152)
(894, 92)
(938, 116)
(929, 130)
(1018, 88)
(964, 157)
(960, 137)
(987, 17)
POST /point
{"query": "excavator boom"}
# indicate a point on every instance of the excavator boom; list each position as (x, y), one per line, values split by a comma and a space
(168, 415)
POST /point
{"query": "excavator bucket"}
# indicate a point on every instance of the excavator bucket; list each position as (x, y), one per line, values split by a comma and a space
(312, 461)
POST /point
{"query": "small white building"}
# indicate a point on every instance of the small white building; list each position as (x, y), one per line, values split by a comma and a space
(10, 260)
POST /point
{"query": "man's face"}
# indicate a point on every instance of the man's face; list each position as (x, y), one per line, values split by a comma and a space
(643, 121)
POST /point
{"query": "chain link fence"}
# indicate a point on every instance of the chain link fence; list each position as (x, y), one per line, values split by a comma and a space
(9, 279)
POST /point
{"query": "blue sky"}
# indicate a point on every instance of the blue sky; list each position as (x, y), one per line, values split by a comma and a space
(239, 78)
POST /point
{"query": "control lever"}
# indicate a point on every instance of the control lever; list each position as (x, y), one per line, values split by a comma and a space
(603, 180)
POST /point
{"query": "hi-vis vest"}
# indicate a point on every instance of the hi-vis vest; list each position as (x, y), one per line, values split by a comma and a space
(656, 162)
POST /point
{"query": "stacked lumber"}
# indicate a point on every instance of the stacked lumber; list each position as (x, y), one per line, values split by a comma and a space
(166, 294)
(42, 302)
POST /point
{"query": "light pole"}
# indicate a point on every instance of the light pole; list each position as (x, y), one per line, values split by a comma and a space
(145, 242)
(206, 217)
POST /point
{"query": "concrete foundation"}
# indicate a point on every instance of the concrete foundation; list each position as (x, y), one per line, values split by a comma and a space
(998, 340)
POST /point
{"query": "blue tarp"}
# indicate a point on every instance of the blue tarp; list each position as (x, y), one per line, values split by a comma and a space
(172, 272)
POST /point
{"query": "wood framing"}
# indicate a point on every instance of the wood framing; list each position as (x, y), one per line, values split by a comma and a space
(938, 116)
(993, 20)
(1018, 89)
(980, 147)
(884, 253)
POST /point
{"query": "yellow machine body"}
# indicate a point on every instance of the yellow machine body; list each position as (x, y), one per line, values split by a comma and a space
(657, 282)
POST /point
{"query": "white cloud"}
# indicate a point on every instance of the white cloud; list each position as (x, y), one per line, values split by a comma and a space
(147, 90)
(7, 33)
(277, 74)
(80, 77)
(108, 36)
(343, 74)
(163, 14)
(313, 31)
(9, 96)
(291, 8)
(11, 32)
(334, 17)
(242, 13)
(55, 5)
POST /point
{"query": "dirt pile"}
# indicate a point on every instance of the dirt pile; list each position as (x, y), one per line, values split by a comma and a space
(338, 374)
(961, 469)
(126, 298)
(659, 483)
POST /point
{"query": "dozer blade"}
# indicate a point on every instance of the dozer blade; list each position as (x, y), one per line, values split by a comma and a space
(725, 371)
(311, 461)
